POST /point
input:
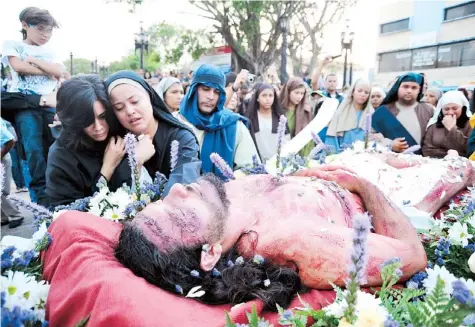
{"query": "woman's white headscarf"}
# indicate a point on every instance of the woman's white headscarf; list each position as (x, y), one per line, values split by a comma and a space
(164, 85)
(378, 89)
(456, 97)
(346, 118)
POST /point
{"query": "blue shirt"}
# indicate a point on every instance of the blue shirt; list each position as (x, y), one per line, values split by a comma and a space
(339, 143)
(338, 96)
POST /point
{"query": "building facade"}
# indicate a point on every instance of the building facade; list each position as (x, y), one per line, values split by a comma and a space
(436, 38)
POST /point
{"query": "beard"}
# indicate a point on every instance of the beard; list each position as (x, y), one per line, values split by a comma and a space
(215, 229)
(406, 102)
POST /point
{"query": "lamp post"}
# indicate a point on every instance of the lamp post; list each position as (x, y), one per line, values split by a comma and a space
(141, 43)
(284, 21)
(71, 64)
(92, 67)
(347, 44)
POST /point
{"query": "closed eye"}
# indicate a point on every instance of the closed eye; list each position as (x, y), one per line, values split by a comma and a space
(193, 189)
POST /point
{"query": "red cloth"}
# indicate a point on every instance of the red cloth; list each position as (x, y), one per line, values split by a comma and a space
(86, 279)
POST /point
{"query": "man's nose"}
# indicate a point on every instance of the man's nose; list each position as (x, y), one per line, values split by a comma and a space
(178, 190)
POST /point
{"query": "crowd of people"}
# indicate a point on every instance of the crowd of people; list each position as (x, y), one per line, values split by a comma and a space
(206, 111)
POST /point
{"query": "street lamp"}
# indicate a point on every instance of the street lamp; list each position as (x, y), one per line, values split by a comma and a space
(284, 22)
(141, 43)
(347, 44)
(71, 67)
(103, 69)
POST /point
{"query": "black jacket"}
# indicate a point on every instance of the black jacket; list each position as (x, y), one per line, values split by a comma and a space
(73, 175)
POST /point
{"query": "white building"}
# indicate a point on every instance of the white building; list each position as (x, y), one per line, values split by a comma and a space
(433, 37)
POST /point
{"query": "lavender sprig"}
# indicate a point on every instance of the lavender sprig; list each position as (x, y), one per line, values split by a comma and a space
(358, 262)
(37, 210)
(367, 129)
(174, 154)
(280, 138)
(222, 165)
(130, 148)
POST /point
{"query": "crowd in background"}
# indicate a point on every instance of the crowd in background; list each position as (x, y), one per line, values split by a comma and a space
(60, 135)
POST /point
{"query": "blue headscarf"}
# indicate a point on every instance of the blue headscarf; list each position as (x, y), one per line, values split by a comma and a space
(220, 127)
(392, 96)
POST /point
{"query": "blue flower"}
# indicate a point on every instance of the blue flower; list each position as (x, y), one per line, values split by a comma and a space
(258, 259)
(462, 293)
(470, 247)
(195, 273)
(469, 320)
(240, 261)
(178, 289)
(391, 323)
(230, 263)
(287, 314)
(215, 272)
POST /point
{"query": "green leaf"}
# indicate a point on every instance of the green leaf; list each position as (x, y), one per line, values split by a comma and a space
(229, 322)
(83, 323)
(253, 318)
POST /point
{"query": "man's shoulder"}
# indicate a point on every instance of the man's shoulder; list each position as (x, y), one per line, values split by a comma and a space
(425, 107)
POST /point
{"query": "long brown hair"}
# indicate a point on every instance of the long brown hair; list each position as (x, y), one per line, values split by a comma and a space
(303, 111)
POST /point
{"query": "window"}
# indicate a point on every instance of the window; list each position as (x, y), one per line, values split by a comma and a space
(468, 54)
(400, 25)
(424, 58)
(449, 55)
(395, 61)
(460, 11)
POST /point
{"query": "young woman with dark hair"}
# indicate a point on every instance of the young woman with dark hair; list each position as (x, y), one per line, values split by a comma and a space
(88, 147)
(141, 111)
(264, 111)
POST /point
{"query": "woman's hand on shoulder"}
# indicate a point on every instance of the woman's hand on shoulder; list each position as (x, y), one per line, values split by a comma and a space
(113, 155)
(145, 149)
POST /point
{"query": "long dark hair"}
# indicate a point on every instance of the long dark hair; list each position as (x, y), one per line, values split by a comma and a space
(232, 281)
(253, 108)
(75, 108)
(461, 121)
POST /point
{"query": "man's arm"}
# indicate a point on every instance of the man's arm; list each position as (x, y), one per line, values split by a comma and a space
(53, 69)
(23, 67)
(317, 73)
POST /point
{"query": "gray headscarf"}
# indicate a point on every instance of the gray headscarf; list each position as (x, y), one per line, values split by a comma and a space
(164, 85)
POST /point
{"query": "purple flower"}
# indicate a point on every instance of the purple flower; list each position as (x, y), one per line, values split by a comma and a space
(462, 293)
(358, 262)
(393, 261)
(37, 210)
(178, 289)
(412, 149)
(195, 273)
(2, 178)
(359, 257)
(222, 165)
(280, 137)
(367, 124)
(174, 154)
(216, 273)
(316, 138)
(391, 323)
(130, 148)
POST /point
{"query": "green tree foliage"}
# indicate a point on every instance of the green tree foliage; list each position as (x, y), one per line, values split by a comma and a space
(152, 61)
(80, 66)
(173, 41)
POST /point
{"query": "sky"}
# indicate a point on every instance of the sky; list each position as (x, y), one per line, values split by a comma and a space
(105, 29)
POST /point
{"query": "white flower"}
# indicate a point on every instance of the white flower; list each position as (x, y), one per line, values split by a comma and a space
(98, 197)
(365, 303)
(56, 214)
(458, 234)
(40, 233)
(471, 221)
(24, 291)
(196, 292)
(119, 198)
(446, 277)
(471, 263)
(112, 214)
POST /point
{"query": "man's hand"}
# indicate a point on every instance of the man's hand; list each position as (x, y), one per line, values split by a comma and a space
(399, 145)
(240, 79)
(449, 122)
(327, 60)
(343, 176)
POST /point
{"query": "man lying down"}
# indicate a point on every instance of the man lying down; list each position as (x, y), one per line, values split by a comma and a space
(200, 233)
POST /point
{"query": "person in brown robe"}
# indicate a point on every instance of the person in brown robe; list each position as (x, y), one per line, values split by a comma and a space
(449, 129)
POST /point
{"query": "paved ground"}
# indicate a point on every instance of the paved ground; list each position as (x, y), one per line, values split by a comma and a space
(27, 228)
